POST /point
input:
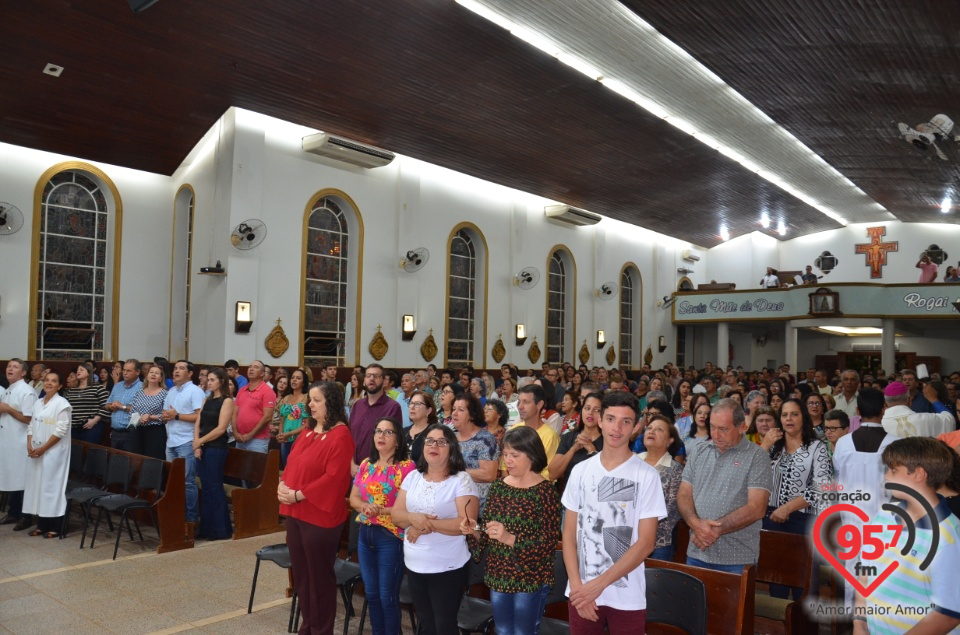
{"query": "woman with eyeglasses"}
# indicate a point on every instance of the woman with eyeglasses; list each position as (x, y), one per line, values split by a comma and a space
(432, 501)
(380, 547)
(580, 443)
(480, 450)
(816, 407)
(518, 531)
(423, 414)
(663, 445)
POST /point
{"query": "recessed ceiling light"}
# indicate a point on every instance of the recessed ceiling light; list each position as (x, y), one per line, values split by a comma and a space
(765, 220)
(52, 69)
(781, 228)
(724, 233)
(852, 330)
(946, 205)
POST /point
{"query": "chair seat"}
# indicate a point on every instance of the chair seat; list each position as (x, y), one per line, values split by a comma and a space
(278, 554)
(770, 607)
(117, 502)
(346, 571)
(550, 626)
(86, 495)
(474, 614)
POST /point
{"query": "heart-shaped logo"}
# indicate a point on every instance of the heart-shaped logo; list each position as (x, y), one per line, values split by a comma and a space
(818, 541)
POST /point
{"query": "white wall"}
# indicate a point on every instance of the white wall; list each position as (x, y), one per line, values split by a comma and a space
(147, 201)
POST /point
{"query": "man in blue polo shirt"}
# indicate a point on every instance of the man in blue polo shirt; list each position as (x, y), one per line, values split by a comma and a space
(120, 405)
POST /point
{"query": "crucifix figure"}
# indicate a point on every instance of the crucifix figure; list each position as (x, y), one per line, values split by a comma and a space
(876, 251)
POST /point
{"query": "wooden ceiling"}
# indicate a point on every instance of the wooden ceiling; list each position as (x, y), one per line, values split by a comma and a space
(428, 79)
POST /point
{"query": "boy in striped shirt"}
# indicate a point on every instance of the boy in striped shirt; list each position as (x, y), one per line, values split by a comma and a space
(912, 600)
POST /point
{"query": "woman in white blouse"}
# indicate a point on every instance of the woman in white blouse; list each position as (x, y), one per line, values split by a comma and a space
(48, 464)
(432, 501)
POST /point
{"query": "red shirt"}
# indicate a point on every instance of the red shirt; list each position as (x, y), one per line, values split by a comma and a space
(319, 466)
(250, 407)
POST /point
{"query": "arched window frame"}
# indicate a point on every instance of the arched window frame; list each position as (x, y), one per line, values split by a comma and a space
(111, 299)
(631, 358)
(184, 202)
(569, 327)
(481, 278)
(354, 220)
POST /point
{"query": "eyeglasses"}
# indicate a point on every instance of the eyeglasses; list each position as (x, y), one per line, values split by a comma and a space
(440, 443)
(373, 376)
(384, 433)
(833, 427)
(416, 404)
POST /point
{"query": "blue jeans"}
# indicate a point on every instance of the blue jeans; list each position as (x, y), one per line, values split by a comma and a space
(185, 451)
(254, 445)
(518, 613)
(727, 568)
(285, 452)
(381, 566)
(663, 553)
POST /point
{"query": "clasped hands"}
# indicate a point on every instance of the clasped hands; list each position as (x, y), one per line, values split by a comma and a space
(494, 530)
(285, 495)
(705, 532)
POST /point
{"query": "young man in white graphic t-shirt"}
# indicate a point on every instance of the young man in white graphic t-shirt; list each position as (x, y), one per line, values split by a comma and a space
(612, 504)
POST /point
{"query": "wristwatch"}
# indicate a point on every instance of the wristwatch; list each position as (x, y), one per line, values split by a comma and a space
(177, 416)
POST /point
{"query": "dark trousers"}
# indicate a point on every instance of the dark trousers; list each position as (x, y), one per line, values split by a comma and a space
(15, 504)
(93, 435)
(436, 597)
(46, 524)
(153, 441)
(613, 621)
(126, 439)
(214, 513)
(313, 550)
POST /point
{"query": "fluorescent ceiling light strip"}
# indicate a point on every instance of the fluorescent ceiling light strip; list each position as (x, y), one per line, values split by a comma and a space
(617, 86)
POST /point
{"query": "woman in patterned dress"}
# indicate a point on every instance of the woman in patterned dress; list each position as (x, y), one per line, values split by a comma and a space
(518, 529)
(148, 403)
(380, 548)
(801, 466)
(481, 452)
(293, 409)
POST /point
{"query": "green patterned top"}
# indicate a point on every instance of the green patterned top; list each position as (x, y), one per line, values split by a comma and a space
(531, 514)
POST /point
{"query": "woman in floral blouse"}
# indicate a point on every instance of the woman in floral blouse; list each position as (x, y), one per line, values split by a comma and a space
(293, 409)
(518, 529)
(380, 548)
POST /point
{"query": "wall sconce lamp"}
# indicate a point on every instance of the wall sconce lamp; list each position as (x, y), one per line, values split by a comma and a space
(662, 344)
(408, 330)
(601, 339)
(244, 318)
(521, 334)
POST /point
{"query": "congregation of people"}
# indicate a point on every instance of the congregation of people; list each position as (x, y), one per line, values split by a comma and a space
(441, 467)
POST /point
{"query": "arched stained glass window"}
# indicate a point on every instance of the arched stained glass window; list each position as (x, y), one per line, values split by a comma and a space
(628, 322)
(557, 312)
(325, 305)
(72, 268)
(462, 290)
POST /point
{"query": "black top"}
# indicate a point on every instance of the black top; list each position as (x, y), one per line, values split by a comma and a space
(209, 420)
(414, 444)
(567, 440)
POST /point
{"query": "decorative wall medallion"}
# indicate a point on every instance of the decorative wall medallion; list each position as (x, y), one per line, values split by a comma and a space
(647, 357)
(611, 355)
(533, 354)
(277, 342)
(498, 352)
(428, 350)
(378, 345)
(876, 250)
(584, 353)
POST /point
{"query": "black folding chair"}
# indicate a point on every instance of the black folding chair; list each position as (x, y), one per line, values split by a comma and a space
(118, 475)
(279, 555)
(150, 480)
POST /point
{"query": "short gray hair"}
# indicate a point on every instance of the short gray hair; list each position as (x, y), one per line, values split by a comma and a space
(739, 417)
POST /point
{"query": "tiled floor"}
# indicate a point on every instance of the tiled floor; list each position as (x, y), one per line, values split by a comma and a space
(53, 587)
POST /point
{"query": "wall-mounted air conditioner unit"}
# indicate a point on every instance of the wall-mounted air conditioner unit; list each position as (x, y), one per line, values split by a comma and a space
(346, 151)
(571, 215)
(690, 255)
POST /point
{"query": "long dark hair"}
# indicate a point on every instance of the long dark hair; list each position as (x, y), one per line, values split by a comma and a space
(455, 464)
(594, 395)
(401, 453)
(693, 420)
(807, 434)
(333, 397)
(677, 399)
(220, 374)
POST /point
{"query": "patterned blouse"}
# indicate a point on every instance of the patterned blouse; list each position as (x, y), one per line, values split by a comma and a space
(532, 514)
(144, 404)
(380, 486)
(801, 473)
(293, 416)
(482, 446)
(671, 475)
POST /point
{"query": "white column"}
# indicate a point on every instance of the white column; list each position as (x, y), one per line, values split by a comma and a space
(888, 352)
(790, 346)
(723, 345)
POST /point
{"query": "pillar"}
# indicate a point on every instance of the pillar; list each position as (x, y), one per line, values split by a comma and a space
(888, 352)
(790, 346)
(723, 345)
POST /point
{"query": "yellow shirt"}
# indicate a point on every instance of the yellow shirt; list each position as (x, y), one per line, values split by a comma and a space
(550, 440)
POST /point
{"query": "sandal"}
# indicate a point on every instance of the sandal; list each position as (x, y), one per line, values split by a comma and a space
(36, 532)
(51, 534)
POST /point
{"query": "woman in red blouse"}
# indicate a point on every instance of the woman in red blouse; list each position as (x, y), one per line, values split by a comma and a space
(312, 492)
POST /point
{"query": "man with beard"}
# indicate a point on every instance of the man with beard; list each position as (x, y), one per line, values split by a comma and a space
(367, 412)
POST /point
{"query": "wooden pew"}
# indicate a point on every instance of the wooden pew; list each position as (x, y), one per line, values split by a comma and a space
(785, 559)
(730, 598)
(171, 508)
(256, 511)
